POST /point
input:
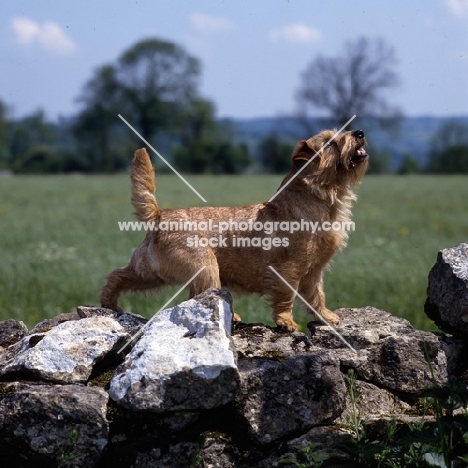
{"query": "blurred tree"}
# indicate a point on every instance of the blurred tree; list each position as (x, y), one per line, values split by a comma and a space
(95, 127)
(211, 156)
(451, 133)
(4, 124)
(379, 161)
(449, 149)
(198, 131)
(205, 145)
(39, 159)
(409, 165)
(351, 83)
(230, 158)
(153, 85)
(32, 130)
(158, 80)
(19, 141)
(274, 156)
(451, 160)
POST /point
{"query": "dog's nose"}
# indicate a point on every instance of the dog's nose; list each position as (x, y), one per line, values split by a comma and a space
(358, 134)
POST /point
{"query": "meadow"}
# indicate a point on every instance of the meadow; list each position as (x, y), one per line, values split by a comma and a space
(59, 237)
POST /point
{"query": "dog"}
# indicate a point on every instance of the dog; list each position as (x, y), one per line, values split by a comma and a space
(318, 189)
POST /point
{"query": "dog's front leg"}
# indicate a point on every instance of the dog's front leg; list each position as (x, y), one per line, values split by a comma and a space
(283, 316)
(311, 289)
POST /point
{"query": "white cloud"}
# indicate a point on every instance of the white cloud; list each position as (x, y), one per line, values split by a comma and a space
(297, 33)
(209, 24)
(25, 30)
(458, 8)
(48, 35)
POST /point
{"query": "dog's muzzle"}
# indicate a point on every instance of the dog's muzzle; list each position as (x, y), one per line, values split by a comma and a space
(360, 153)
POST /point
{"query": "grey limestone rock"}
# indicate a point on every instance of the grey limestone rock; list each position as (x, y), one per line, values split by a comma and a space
(66, 353)
(289, 394)
(179, 455)
(11, 331)
(447, 291)
(373, 402)
(48, 423)
(132, 323)
(184, 360)
(390, 352)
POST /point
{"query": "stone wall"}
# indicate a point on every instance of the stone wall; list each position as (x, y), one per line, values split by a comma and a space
(98, 388)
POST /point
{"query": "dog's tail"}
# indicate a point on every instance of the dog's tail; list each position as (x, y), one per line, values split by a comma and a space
(143, 187)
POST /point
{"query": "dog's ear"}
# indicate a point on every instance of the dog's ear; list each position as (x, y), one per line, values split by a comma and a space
(302, 155)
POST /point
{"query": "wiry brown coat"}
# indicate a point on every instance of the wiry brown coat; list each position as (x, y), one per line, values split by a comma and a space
(319, 192)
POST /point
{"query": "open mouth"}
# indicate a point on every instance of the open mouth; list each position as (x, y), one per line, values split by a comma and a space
(358, 156)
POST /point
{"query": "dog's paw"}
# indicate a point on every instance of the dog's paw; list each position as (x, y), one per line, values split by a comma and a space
(330, 317)
(287, 325)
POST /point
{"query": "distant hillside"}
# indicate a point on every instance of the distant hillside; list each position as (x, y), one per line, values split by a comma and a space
(413, 136)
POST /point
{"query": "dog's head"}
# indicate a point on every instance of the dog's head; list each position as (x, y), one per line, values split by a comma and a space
(332, 159)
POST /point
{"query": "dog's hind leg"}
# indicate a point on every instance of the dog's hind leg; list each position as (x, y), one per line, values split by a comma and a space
(120, 280)
(208, 277)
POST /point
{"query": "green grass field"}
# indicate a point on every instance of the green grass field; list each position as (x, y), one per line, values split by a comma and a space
(59, 237)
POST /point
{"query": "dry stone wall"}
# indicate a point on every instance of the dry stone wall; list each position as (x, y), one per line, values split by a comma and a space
(192, 389)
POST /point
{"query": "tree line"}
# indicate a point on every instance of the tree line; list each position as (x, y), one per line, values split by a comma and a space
(155, 85)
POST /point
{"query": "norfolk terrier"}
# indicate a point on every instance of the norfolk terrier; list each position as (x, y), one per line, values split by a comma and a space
(237, 245)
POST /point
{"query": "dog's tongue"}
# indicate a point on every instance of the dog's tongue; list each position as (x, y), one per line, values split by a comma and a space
(359, 155)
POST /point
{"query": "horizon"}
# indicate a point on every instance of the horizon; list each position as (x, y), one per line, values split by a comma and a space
(60, 117)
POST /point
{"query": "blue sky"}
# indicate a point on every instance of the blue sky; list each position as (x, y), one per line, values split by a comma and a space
(252, 51)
